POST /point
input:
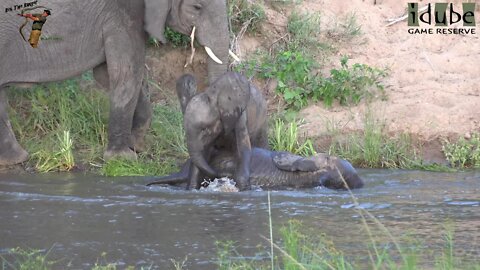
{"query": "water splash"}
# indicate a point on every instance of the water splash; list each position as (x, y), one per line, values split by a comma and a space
(223, 184)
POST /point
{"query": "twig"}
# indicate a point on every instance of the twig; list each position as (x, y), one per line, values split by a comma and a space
(399, 19)
(271, 229)
(192, 39)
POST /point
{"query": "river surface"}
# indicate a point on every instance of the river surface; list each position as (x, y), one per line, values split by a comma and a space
(79, 217)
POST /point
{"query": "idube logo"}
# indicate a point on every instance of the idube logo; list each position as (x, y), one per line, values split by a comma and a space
(439, 19)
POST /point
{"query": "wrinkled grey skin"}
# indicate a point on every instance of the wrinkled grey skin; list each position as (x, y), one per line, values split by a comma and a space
(279, 170)
(108, 36)
(231, 114)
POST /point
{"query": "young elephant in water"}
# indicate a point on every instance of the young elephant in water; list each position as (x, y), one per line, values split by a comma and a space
(231, 115)
(277, 170)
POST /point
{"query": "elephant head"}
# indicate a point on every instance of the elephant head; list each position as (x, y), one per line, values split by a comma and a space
(341, 172)
(209, 17)
(211, 114)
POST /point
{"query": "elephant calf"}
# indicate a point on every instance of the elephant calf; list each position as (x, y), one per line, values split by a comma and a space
(276, 170)
(229, 115)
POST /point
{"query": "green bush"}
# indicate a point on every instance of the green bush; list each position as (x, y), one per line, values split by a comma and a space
(298, 83)
(464, 153)
(349, 85)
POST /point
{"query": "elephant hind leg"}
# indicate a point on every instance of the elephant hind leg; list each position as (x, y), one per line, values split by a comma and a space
(10, 151)
(142, 119)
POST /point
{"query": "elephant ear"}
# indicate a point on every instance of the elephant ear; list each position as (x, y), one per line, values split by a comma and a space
(233, 97)
(286, 161)
(156, 13)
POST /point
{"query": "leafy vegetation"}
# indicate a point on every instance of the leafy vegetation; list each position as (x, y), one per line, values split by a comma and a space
(350, 85)
(178, 40)
(298, 82)
(463, 153)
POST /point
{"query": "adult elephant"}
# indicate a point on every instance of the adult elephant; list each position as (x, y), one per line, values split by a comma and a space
(108, 36)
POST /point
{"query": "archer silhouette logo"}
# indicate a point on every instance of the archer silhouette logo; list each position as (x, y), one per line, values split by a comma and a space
(441, 17)
(38, 19)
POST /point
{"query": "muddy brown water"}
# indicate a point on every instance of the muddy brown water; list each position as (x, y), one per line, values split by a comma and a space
(79, 217)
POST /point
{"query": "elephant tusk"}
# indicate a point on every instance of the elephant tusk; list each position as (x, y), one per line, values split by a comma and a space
(234, 56)
(212, 55)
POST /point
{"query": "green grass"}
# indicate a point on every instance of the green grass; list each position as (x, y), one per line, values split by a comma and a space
(303, 32)
(166, 147)
(63, 126)
(374, 148)
(245, 14)
(285, 137)
(52, 119)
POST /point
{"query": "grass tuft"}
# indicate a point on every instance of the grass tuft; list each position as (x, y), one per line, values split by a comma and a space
(374, 148)
(284, 137)
(245, 14)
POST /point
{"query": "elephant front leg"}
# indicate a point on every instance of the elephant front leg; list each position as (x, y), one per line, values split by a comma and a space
(10, 151)
(125, 79)
(244, 148)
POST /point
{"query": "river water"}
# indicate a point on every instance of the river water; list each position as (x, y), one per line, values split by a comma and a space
(79, 217)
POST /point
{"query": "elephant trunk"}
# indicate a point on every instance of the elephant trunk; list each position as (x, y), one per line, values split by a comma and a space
(215, 70)
(212, 32)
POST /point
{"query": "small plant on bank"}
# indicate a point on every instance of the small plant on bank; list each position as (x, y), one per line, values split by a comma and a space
(245, 14)
(345, 29)
(304, 31)
(59, 160)
(464, 153)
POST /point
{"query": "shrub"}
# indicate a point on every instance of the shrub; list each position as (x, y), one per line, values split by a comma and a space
(463, 153)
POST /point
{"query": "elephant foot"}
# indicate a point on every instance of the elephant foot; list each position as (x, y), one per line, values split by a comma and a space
(12, 154)
(243, 183)
(122, 153)
(138, 144)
